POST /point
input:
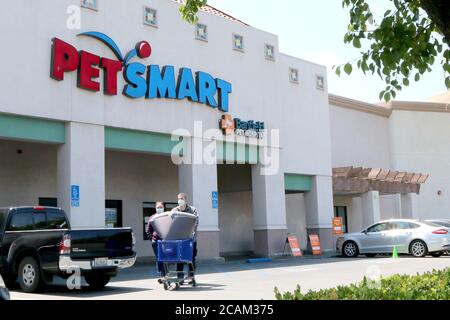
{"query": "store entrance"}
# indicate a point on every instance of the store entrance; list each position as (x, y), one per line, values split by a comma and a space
(113, 214)
(341, 212)
(235, 210)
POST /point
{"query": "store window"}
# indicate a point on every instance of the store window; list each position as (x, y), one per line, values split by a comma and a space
(269, 52)
(150, 17)
(90, 4)
(341, 211)
(48, 202)
(238, 42)
(201, 32)
(149, 209)
(293, 75)
(320, 82)
(113, 214)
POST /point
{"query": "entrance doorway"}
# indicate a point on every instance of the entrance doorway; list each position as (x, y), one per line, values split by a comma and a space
(235, 210)
(341, 212)
(113, 214)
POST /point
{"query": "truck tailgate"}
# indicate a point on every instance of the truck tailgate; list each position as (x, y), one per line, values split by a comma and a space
(95, 243)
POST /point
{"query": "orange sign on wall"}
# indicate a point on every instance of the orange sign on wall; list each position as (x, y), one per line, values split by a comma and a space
(338, 226)
(295, 246)
(315, 244)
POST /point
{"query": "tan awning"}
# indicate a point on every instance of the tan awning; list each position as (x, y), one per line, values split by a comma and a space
(351, 180)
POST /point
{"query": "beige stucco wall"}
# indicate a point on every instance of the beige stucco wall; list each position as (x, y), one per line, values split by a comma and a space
(296, 217)
(236, 222)
(26, 177)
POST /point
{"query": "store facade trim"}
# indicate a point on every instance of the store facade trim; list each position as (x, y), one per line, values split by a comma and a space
(31, 129)
(297, 182)
(141, 141)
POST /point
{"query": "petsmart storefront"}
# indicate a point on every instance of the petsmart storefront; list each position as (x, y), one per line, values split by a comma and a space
(134, 105)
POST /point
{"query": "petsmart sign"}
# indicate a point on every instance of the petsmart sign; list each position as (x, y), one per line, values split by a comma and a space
(150, 82)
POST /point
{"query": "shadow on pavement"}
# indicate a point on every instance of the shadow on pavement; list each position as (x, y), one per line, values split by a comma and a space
(84, 292)
(148, 271)
(202, 287)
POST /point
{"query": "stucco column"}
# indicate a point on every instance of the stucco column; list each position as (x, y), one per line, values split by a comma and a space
(319, 210)
(370, 208)
(81, 163)
(269, 212)
(409, 208)
(199, 181)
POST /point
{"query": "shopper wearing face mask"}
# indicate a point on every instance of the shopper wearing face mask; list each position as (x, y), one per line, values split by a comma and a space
(184, 207)
(154, 238)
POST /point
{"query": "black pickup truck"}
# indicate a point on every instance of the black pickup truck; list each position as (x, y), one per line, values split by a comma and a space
(37, 243)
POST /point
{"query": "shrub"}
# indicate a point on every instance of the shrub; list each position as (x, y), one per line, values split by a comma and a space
(434, 285)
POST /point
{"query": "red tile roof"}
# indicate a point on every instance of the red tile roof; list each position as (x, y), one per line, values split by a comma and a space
(211, 10)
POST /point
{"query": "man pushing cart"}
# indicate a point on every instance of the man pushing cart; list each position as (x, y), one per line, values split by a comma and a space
(176, 244)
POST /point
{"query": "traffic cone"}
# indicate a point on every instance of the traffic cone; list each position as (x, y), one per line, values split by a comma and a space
(395, 253)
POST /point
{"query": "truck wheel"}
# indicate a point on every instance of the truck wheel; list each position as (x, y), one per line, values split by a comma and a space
(96, 280)
(29, 275)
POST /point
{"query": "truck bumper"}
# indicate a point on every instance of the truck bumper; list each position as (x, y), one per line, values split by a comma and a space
(67, 264)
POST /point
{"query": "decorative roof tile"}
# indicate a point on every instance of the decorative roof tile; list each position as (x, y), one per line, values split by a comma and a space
(211, 10)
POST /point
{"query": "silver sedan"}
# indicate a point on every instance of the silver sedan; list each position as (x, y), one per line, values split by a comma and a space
(414, 237)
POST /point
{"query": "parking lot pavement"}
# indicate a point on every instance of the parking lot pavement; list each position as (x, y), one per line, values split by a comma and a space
(239, 280)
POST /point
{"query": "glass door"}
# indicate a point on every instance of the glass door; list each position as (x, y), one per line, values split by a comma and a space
(341, 211)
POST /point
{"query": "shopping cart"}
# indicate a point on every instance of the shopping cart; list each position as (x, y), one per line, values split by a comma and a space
(171, 253)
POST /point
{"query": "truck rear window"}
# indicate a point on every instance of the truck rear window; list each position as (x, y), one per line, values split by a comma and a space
(38, 220)
(56, 220)
(21, 221)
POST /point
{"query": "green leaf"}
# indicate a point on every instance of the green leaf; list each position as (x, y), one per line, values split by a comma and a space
(417, 77)
(357, 43)
(338, 71)
(348, 68)
(447, 82)
(447, 54)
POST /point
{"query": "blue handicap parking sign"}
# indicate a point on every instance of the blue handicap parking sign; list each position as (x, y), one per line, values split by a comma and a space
(75, 196)
(215, 200)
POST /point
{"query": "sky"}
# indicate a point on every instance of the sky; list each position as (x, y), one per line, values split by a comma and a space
(314, 31)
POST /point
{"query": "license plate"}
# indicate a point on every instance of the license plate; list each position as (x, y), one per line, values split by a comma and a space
(101, 262)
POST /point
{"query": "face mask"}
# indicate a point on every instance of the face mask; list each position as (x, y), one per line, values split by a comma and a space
(181, 202)
(160, 210)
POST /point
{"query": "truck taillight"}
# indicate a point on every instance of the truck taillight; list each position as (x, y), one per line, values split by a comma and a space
(133, 239)
(440, 231)
(65, 245)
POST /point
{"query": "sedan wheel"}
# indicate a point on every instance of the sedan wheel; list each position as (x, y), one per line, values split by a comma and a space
(418, 248)
(350, 249)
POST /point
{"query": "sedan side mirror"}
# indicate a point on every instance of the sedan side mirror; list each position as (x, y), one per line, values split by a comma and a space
(365, 232)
